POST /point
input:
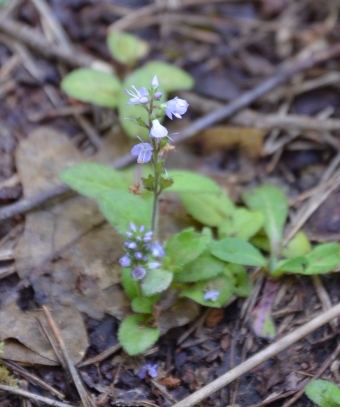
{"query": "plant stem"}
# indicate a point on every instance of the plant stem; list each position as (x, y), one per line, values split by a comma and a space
(156, 192)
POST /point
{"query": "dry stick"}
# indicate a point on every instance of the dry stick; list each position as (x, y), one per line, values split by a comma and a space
(33, 396)
(55, 26)
(284, 73)
(99, 358)
(260, 357)
(33, 39)
(31, 378)
(128, 21)
(75, 376)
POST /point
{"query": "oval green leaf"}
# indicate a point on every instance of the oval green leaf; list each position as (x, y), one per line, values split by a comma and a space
(127, 48)
(136, 335)
(156, 281)
(242, 223)
(191, 182)
(119, 208)
(238, 251)
(93, 86)
(323, 393)
(92, 179)
(273, 204)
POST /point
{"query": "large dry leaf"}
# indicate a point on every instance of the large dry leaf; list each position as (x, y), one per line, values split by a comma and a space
(248, 139)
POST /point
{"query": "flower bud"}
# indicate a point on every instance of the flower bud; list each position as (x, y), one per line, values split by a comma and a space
(158, 95)
(154, 82)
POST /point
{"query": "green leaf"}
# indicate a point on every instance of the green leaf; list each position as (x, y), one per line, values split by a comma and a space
(298, 265)
(260, 241)
(209, 209)
(156, 281)
(298, 246)
(273, 205)
(143, 305)
(242, 282)
(92, 86)
(135, 335)
(170, 77)
(203, 267)
(223, 283)
(119, 208)
(129, 284)
(323, 258)
(126, 48)
(92, 179)
(185, 247)
(191, 182)
(238, 251)
(242, 223)
(323, 393)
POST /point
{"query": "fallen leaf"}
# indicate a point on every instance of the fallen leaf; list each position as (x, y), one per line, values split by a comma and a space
(248, 139)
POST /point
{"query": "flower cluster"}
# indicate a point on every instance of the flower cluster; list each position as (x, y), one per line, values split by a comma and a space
(174, 107)
(139, 247)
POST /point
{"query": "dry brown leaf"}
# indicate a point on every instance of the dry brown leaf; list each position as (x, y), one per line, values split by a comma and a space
(214, 317)
(171, 382)
(23, 326)
(249, 140)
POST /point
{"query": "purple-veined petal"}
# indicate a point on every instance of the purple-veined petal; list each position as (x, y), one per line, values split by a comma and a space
(143, 151)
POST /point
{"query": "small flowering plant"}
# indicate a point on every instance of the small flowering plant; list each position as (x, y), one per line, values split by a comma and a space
(158, 276)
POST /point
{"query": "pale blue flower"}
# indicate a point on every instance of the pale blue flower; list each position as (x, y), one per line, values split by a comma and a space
(137, 96)
(149, 369)
(125, 261)
(157, 130)
(211, 295)
(154, 265)
(143, 151)
(157, 250)
(138, 273)
(176, 107)
(158, 95)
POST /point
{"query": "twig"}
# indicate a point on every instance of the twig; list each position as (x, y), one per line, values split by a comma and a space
(260, 357)
(102, 356)
(57, 29)
(294, 66)
(31, 378)
(324, 299)
(75, 376)
(128, 21)
(284, 73)
(33, 396)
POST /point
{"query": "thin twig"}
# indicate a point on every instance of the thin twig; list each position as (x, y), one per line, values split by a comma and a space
(102, 356)
(75, 376)
(288, 70)
(31, 378)
(33, 396)
(260, 357)
(55, 26)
